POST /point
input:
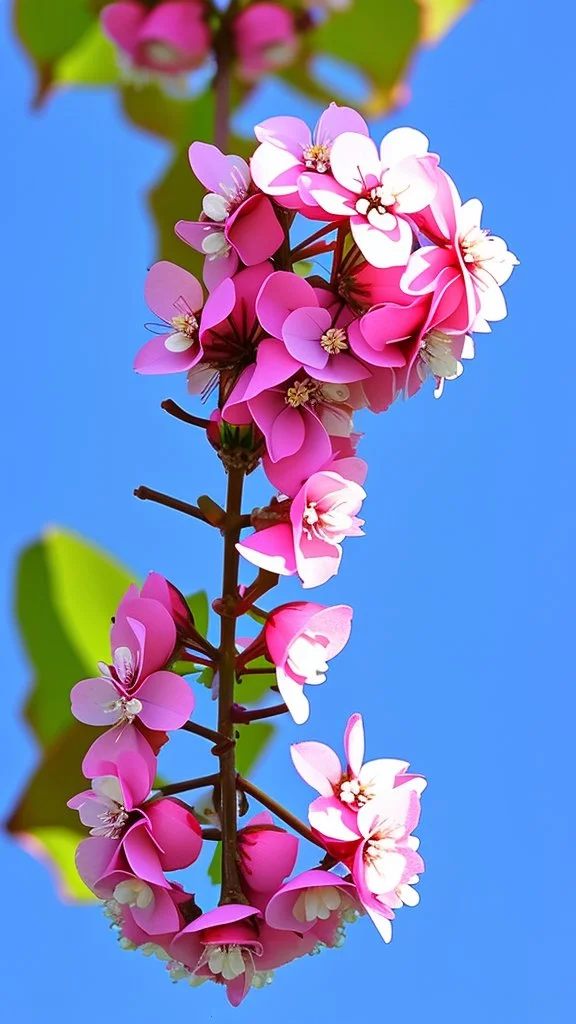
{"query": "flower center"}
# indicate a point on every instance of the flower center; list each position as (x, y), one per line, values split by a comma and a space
(129, 707)
(436, 353)
(317, 157)
(334, 340)
(377, 202)
(229, 960)
(477, 245)
(134, 893)
(317, 903)
(354, 793)
(301, 392)
(186, 324)
(160, 53)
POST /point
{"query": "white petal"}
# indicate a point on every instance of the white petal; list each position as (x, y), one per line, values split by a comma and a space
(178, 342)
(215, 207)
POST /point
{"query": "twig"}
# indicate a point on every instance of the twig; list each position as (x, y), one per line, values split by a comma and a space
(243, 716)
(180, 414)
(204, 731)
(183, 787)
(267, 801)
(147, 494)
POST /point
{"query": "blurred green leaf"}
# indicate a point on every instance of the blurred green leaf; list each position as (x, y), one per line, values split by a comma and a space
(91, 61)
(379, 44)
(48, 29)
(198, 605)
(254, 687)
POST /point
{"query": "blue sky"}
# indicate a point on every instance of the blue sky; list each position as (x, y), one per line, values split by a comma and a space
(460, 659)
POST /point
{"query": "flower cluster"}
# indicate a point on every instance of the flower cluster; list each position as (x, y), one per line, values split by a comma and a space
(405, 275)
(167, 39)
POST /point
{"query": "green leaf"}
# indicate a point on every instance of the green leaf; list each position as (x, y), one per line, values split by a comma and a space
(48, 29)
(56, 848)
(381, 49)
(92, 61)
(254, 687)
(198, 605)
(169, 118)
(66, 593)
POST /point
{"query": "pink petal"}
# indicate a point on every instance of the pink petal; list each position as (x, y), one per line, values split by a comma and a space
(167, 701)
(289, 474)
(103, 755)
(355, 162)
(94, 857)
(381, 249)
(176, 831)
(354, 743)
(90, 698)
(335, 121)
(318, 765)
(168, 286)
(147, 628)
(271, 549)
(216, 171)
(254, 230)
(273, 366)
(323, 190)
(121, 23)
(142, 854)
(267, 856)
(280, 294)
(334, 623)
(333, 820)
(134, 777)
(154, 357)
(161, 917)
(285, 133)
(287, 434)
(302, 331)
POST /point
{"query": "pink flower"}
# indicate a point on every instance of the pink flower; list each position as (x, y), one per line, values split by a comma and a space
(102, 756)
(230, 329)
(265, 39)
(222, 945)
(171, 38)
(313, 324)
(237, 223)
(288, 149)
(176, 297)
(321, 515)
(301, 638)
(310, 898)
(267, 854)
(135, 685)
(386, 863)
(468, 258)
(157, 588)
(377, 191)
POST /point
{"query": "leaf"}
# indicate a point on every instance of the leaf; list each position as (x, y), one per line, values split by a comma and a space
(66, 593)
(440, 15)
(378, 44)
(92, 61)
(48, 30)
(169, 118)
(198, 605)
(254, 687)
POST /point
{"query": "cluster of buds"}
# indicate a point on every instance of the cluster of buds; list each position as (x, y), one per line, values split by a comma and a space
(406, 275)
(167, 39)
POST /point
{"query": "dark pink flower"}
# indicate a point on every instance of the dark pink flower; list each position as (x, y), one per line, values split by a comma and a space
(267, 854)
(171, 38)
(238, 224)
(314, 896)
(265, 39)
(222, 945)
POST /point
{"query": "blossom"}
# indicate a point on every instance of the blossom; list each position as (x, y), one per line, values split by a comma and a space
(321, 515)
(222, 945)
(172, 37)
(237, 222)
(301, 638)
(265, 39)
(313, 326)
(309, 898)
(157, 588)
(267, 854)
(288, 149)
(468, 257)
(376, 190)
(136, 685)
(230, 330)
(176, 297)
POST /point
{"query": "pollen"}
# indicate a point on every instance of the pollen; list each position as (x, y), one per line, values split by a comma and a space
(300, 393)
(186, 324)
(317, 158)
(334, 341)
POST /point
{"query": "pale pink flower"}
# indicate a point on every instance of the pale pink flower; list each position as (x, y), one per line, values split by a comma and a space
(321, 515)
(301, 638)
(267, 854)
(237, 222)
(222, 945)
(157, 588)
(314, 896)
(136, 685)
(288, 149)
(377, 191)
(470, 259)
(171, 38)
(265, 40)
(176, 297)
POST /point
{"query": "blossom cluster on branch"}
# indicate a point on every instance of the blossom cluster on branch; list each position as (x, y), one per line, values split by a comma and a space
(167, 39)
(405, 274)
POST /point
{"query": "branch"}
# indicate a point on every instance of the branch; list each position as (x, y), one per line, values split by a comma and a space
(204, 731)
(243, 716)
(290, 819)
(180, 414)
(147, 494)
(183, 787)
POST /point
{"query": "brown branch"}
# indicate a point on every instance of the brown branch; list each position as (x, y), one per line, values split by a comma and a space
(147, 494)
(243, 716)
(212, 834)
(204, 731)
(275, 808)
(183, 787)
(180, 414)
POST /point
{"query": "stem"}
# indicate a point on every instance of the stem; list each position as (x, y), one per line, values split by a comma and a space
(231, 891)
(337, 258)
(290, 819)
(147, 494)
(183, 787)
(243, 716)
(180, 414)
(204, 731)
(213, 834)
(311, 238)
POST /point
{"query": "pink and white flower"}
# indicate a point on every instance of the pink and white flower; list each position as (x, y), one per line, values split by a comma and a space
(238, 224)
(308, 542)
(309, 898)
(301, 638)
(136, 684)
(171, 38)
(222, 945)
(176, 297)
(288, 149)
(377, 190)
